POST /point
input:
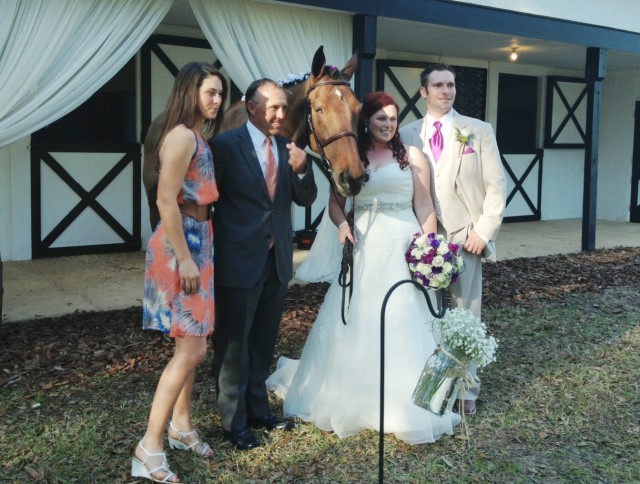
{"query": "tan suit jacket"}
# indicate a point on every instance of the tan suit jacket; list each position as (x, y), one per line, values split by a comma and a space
(468, 183)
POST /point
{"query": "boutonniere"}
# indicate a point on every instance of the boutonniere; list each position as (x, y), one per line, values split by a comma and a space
(463, 137)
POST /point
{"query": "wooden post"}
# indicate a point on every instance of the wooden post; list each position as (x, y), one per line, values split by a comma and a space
(595, 73)
(365, 30)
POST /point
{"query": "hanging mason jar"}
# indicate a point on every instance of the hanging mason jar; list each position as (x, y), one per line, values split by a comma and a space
(440, 381)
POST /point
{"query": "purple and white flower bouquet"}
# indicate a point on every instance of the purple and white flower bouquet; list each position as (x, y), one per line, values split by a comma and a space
(433, 261)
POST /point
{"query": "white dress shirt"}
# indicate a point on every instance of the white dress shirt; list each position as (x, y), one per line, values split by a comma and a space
(259, 144)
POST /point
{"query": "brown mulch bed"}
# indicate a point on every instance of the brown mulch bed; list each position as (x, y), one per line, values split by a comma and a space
(53, 352)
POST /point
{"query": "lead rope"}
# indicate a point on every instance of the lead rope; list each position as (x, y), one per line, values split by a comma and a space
(345, 278)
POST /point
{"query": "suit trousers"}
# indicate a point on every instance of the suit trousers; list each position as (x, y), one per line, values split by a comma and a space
(466, 293)
(246, 329)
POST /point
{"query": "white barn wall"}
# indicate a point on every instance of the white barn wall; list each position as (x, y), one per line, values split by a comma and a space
(21, 199)
(5, 203)
(15, 212)
(616, 145)
(562, 180)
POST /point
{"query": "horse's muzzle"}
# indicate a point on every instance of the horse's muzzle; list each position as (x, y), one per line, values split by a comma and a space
(349, 186)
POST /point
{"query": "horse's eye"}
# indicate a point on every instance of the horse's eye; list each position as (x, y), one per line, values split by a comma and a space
(318, 110)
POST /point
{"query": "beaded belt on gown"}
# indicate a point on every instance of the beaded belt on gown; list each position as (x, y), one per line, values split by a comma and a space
(377, 206)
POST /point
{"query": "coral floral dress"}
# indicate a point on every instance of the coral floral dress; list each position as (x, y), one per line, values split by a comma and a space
(165, 306)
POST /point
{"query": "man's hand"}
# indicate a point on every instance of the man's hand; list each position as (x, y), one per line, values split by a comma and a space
(474, 244)
(297, 158)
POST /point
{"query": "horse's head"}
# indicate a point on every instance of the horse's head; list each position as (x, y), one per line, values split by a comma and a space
(331, 118)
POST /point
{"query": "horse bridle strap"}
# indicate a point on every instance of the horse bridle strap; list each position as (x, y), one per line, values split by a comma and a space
(323, 144)
(328, 83)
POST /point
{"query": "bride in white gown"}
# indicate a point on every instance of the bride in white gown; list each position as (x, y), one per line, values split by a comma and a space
(336, 382)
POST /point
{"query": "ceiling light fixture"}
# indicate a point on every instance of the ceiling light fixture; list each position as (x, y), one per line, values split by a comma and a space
(514, 54)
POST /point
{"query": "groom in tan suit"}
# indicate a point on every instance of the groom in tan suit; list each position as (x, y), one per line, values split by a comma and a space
(468, 184)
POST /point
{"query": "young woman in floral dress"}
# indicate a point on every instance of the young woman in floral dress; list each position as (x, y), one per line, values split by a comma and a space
(178, 287)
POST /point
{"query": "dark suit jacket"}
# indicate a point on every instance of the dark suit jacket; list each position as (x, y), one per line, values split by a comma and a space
(245, 217)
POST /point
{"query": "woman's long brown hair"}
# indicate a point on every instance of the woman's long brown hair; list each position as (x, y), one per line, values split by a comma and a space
(182, 106)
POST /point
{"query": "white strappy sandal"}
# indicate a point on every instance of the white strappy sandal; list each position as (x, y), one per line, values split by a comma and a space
(139, 467)
(183, 437)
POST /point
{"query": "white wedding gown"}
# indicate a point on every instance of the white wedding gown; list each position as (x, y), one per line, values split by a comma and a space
(336, 383)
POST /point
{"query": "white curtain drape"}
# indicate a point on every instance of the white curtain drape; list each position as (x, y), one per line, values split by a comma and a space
(255, 39)
(54, 54)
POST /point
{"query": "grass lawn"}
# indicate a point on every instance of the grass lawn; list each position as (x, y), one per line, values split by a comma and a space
(561, 404)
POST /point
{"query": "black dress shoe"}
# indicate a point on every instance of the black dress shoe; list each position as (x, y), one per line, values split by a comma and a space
(242, 439)
(271, 422)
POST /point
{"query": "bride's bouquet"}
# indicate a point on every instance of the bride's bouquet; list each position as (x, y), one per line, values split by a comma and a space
(464, 341)
(433, 261)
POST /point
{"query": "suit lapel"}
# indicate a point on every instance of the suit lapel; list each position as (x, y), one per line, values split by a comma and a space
(453, 148)
(415, 135)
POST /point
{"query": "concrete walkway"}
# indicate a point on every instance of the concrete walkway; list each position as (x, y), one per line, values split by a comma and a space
(52, 287)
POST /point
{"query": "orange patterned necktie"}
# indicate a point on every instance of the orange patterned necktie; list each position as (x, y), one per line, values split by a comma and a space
(272, 168)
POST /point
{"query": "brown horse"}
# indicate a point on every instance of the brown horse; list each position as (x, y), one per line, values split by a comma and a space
(322, 114)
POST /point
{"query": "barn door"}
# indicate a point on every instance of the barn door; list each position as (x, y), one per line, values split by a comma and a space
(85, 175)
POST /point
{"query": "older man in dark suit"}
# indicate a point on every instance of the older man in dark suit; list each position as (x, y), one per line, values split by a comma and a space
(259, 174)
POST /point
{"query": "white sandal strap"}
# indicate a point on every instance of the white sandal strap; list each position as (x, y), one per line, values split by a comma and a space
(205, 448)
(184, 435)
(164, 467)
(151, 454)
(180, 433)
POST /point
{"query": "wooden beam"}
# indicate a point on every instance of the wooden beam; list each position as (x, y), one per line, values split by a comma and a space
(365, 36)
(595, 73)
(486, 19)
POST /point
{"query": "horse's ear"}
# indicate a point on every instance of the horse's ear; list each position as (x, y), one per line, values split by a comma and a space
(317, 66)
(351, 66)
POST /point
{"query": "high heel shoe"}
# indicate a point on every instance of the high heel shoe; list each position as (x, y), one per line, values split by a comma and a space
(139, 467)
(183, 437)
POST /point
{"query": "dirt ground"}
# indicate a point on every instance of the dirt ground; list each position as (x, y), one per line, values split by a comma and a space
(48, 352)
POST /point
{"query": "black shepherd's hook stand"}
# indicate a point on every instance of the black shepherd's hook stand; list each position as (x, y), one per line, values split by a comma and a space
(440, 295)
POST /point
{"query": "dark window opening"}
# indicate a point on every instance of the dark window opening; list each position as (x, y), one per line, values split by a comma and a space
(517, 113)
(108, 116)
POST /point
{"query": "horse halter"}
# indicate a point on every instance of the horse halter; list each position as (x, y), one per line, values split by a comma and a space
(323, 144)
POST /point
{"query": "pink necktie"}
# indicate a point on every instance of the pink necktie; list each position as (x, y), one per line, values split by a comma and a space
(272, 168)
(436, 141)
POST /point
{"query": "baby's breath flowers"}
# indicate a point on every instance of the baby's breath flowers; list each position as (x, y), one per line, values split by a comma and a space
(293, 79)
(463, 332)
